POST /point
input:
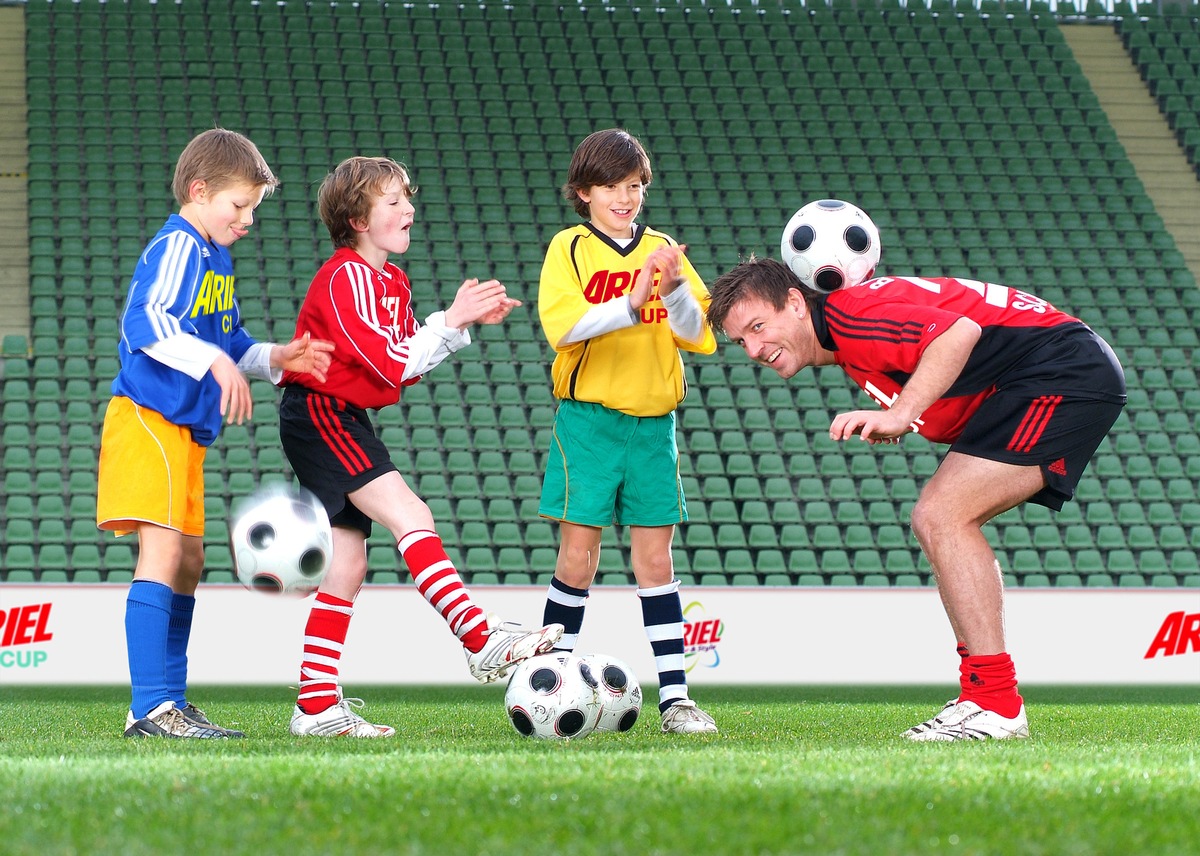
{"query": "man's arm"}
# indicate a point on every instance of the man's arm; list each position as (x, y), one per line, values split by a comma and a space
(940, 365)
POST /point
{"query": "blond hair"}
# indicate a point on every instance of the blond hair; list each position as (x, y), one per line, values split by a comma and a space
(220, 158)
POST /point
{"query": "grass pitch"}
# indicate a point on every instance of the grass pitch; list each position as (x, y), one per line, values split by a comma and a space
(794, 770)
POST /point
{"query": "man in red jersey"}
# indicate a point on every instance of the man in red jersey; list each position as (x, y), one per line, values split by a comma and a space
(362, 302)
(1022, 392)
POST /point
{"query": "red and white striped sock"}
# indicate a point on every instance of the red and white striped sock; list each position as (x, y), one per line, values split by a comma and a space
(324, 638)
(439, 583)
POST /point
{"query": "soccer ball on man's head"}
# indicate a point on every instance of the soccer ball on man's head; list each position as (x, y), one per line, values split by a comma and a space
(553, 696)
(620, 693)
(830, 244)
(281, 540)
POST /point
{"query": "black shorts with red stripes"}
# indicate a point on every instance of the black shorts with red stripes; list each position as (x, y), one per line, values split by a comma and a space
(1057, 432)
(333, 449)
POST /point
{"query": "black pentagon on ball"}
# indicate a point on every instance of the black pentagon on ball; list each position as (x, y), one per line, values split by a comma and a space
(544, 680)
(312, 562)
(615, 678)
(828, 279)
(262, 582)
(857, 239)
(261, 536)
(802, 238)
(521, 721)
(628, 718)
(570, 723)
(585, 672)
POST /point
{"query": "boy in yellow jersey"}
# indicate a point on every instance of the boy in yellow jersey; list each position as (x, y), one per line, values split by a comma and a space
(618, 301)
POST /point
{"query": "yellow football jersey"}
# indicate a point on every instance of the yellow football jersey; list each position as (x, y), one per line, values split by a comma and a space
(638, 369)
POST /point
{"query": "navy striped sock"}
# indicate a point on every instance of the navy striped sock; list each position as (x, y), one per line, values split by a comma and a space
(662, 613)
(565, 605)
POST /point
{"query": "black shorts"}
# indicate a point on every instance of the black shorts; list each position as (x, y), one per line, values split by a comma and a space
(1058, 433)
(333, 449)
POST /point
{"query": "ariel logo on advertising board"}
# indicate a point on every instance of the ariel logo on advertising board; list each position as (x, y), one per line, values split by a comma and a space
(701, 636)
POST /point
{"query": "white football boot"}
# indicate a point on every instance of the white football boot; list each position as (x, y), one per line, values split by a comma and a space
(683, 717)
(968, 721)
(929, 723)
(340, 720)
(509, 643)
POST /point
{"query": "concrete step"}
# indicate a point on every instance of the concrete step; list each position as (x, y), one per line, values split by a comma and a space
(1161, 165)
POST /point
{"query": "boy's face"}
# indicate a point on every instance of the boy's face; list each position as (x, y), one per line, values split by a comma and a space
(388, 224)
(614, 207)
(225, 215)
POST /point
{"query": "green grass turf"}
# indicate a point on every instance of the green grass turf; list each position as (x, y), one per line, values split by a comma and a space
(794, 770)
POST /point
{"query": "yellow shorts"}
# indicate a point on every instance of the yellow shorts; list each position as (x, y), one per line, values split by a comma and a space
(151, 471)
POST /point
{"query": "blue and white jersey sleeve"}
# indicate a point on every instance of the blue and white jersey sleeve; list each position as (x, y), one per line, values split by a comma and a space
(166, 280)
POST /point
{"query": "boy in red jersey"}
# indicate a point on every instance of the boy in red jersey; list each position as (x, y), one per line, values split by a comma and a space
(363, 303)
(1022, 392)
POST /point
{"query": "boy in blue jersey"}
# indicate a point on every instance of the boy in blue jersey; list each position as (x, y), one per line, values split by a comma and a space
(184, 361)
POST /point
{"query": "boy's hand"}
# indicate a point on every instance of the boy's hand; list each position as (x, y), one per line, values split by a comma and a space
(665, 261)
(500, 312)
(236, 401)
(479, 303)
(304, 355)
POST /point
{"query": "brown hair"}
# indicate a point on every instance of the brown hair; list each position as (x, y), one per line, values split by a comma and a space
(351, 189)
(604, 157)
(220, 158)
(764, 279)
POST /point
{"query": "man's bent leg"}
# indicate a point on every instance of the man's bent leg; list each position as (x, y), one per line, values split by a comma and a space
(964, 494)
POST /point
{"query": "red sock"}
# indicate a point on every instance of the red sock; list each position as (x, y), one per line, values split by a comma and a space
(991, 682)
(324, 638)
(962, 650)
(439, 583)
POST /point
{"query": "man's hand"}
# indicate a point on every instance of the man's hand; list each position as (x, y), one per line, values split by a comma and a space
(873, 426)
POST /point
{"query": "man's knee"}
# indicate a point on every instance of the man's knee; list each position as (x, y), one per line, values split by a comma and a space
(932, 514)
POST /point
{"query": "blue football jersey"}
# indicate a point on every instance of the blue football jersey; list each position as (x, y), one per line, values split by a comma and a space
(182, 284)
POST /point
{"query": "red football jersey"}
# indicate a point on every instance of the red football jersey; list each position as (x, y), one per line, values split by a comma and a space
(368, 316)
(879, 330)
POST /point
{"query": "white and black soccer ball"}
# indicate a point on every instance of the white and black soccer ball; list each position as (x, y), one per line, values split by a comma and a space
(281, 540)
(830, 244)
(553, 696)
(620, 693)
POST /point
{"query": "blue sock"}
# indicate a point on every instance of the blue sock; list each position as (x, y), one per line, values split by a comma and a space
(565, 605)
(662, 615)
(147, 617)
(178, 632)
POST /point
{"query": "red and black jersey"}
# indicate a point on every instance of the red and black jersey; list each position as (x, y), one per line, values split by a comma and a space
(879, 330)
(368, 316)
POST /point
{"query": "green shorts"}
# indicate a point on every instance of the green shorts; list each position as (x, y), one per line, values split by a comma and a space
(607, 467)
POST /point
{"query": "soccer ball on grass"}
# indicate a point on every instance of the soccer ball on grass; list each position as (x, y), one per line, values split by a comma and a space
(830, 244)
(620, 693)
(281, 540)
(553, 696)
